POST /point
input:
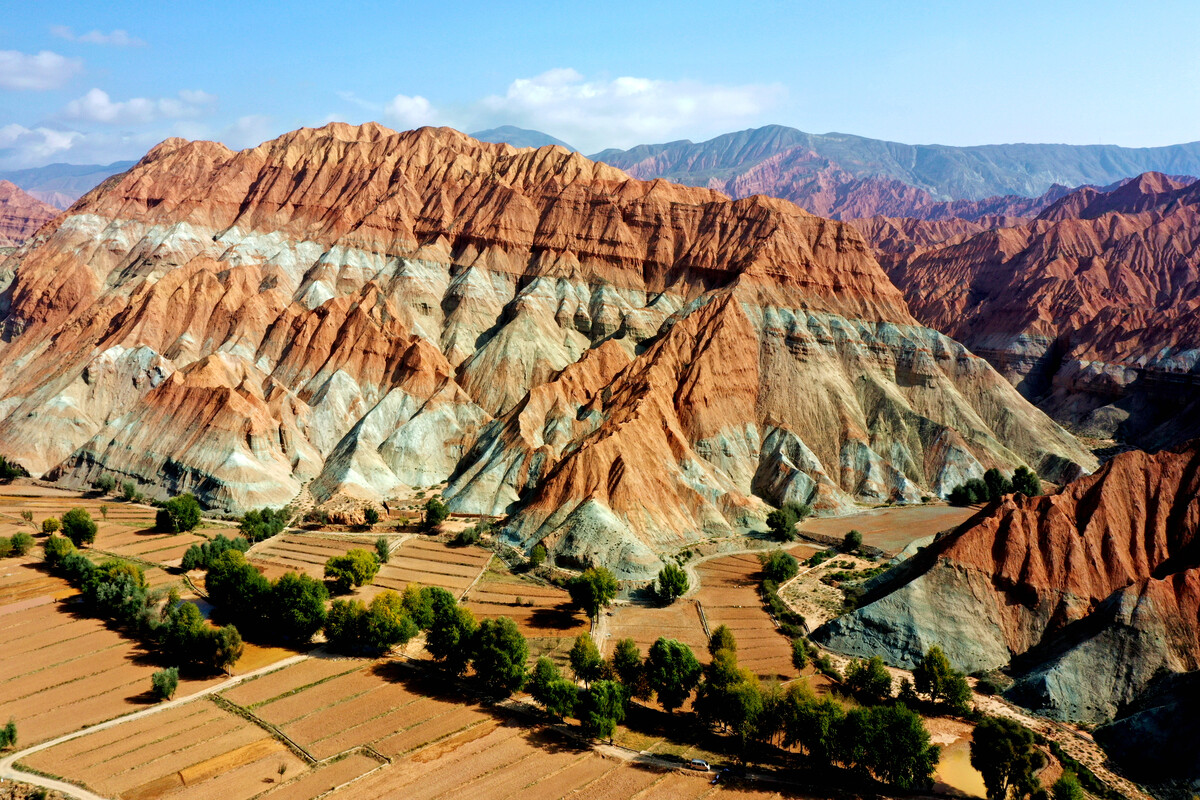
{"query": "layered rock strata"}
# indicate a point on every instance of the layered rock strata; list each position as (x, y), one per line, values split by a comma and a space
(21, 215)
(622, 366)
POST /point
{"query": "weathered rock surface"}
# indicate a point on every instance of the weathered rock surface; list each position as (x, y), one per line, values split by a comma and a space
(1092, 309)
(1085, 595)
(21, 215)
(621, 366)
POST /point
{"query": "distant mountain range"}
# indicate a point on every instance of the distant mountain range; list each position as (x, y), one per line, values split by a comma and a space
(60, 185)
(946, 173)
(519, 137)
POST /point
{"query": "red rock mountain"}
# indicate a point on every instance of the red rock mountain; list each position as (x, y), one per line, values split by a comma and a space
(1085, 595)
(1092, 308)
(621, 365)
(21, 215)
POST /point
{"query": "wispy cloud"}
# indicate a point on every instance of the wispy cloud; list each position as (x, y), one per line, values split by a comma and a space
(97, 106)
(36, 72)
(116, 38)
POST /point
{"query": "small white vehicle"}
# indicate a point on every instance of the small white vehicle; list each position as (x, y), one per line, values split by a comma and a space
(699, 764)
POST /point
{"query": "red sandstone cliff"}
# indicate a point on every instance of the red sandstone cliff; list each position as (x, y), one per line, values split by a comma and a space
(21, 215)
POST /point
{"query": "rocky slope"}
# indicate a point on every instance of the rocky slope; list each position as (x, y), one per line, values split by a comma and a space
(776, 157)
(623, 366)
(20, 215)
(1091, 308)
(1085, 596)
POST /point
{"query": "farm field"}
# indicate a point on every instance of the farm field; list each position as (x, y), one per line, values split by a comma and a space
(416, 560)
(543, 613)
(195, 750)
(891, 529)
(63, 670)
(729, 595)
(646, 623)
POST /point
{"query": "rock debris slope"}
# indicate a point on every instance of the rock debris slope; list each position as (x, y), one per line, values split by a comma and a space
(621, 365)
(1092, 309)
(1085, 596)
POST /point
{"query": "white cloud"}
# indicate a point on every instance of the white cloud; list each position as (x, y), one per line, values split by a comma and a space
(97, 106)
(624, 111)
(22, 147)
(411, 112)
(45, 70)
(117, 38)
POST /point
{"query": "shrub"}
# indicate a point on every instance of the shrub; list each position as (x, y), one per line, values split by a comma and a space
(27, 516)
(178, 514)
(721, 639)
(383, 550)
(778, 566)
(672, 583)
(130, 492)
(104, 511)
(371, 515)
(21, 543)
(77, 525)
(5, 547)
(869, 679)
(8, 735)
(105, 483)
(50, 525)
(537, 556)
(164, 682)
(1026, 482)
(799, 654)
(356, 568)
(782, 521)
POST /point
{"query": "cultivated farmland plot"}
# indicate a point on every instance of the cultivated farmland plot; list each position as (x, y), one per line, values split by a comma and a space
(891, 529)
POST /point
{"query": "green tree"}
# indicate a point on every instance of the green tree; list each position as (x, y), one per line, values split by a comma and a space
(721, 639)
(201, 556)
(297, 607)
(898, 749)
(227, 647)
(105, 483)
(77, 525)
(932, 673)
(356, 568)
(1026, 482)
(418, 602)
(130, 491)
(8, 734)
(238, 589)
(743, 710)
(970, 493)
(1004, 753)
(672, 672)
(21, 542)
(263, 523)
(5, 547)
(371, 515)
(10, 470)
(178, 514)
(50, 525)
(799, 654)
(104, 507)
(778, 566)
(811, 724)
(672, 583)
(957, 692)
(627, 663)
(585, 659)
(500, 655)
(601, 708)
(436, 513)
(383, 550)
(997, 484)
(164, 682)
(852, 541)
(1067, 786)
(592, 590)
(57, 548)
(450, 635)
(869, 679)
(537, 556)
(548, 687)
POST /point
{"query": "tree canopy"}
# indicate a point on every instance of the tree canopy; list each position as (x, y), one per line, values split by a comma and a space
(500, 655)
(672, 672)
(672, 583)
(178, 514)
(1004, 753)
(592, 590)
(78, 526)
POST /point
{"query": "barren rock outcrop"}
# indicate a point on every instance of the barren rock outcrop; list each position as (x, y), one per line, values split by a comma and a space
(1091, 309)
(21, 215)
(1085, 596)
(620, 365)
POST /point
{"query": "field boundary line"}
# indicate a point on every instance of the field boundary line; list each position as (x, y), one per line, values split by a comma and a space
(703, 618)
(274, 731)
(478, 576)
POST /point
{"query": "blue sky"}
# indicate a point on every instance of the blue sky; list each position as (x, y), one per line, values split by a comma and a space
(85, 82)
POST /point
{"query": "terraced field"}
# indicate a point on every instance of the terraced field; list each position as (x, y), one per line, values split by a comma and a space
(544, 613)
(646, 623)
(729, 594)
(416, 560)
(61, 670)
(196, 750)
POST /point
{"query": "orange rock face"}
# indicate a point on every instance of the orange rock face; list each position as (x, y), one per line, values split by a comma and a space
(1091, 308)
(1090, 592)
(622, 366)
(21, 215)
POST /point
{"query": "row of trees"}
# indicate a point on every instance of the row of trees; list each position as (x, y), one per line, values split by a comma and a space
(204, 554)
(117, 591)
(290, 609)
(994, 486)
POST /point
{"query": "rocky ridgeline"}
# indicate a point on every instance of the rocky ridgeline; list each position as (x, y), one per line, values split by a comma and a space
(622, 366)
(20, 215)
